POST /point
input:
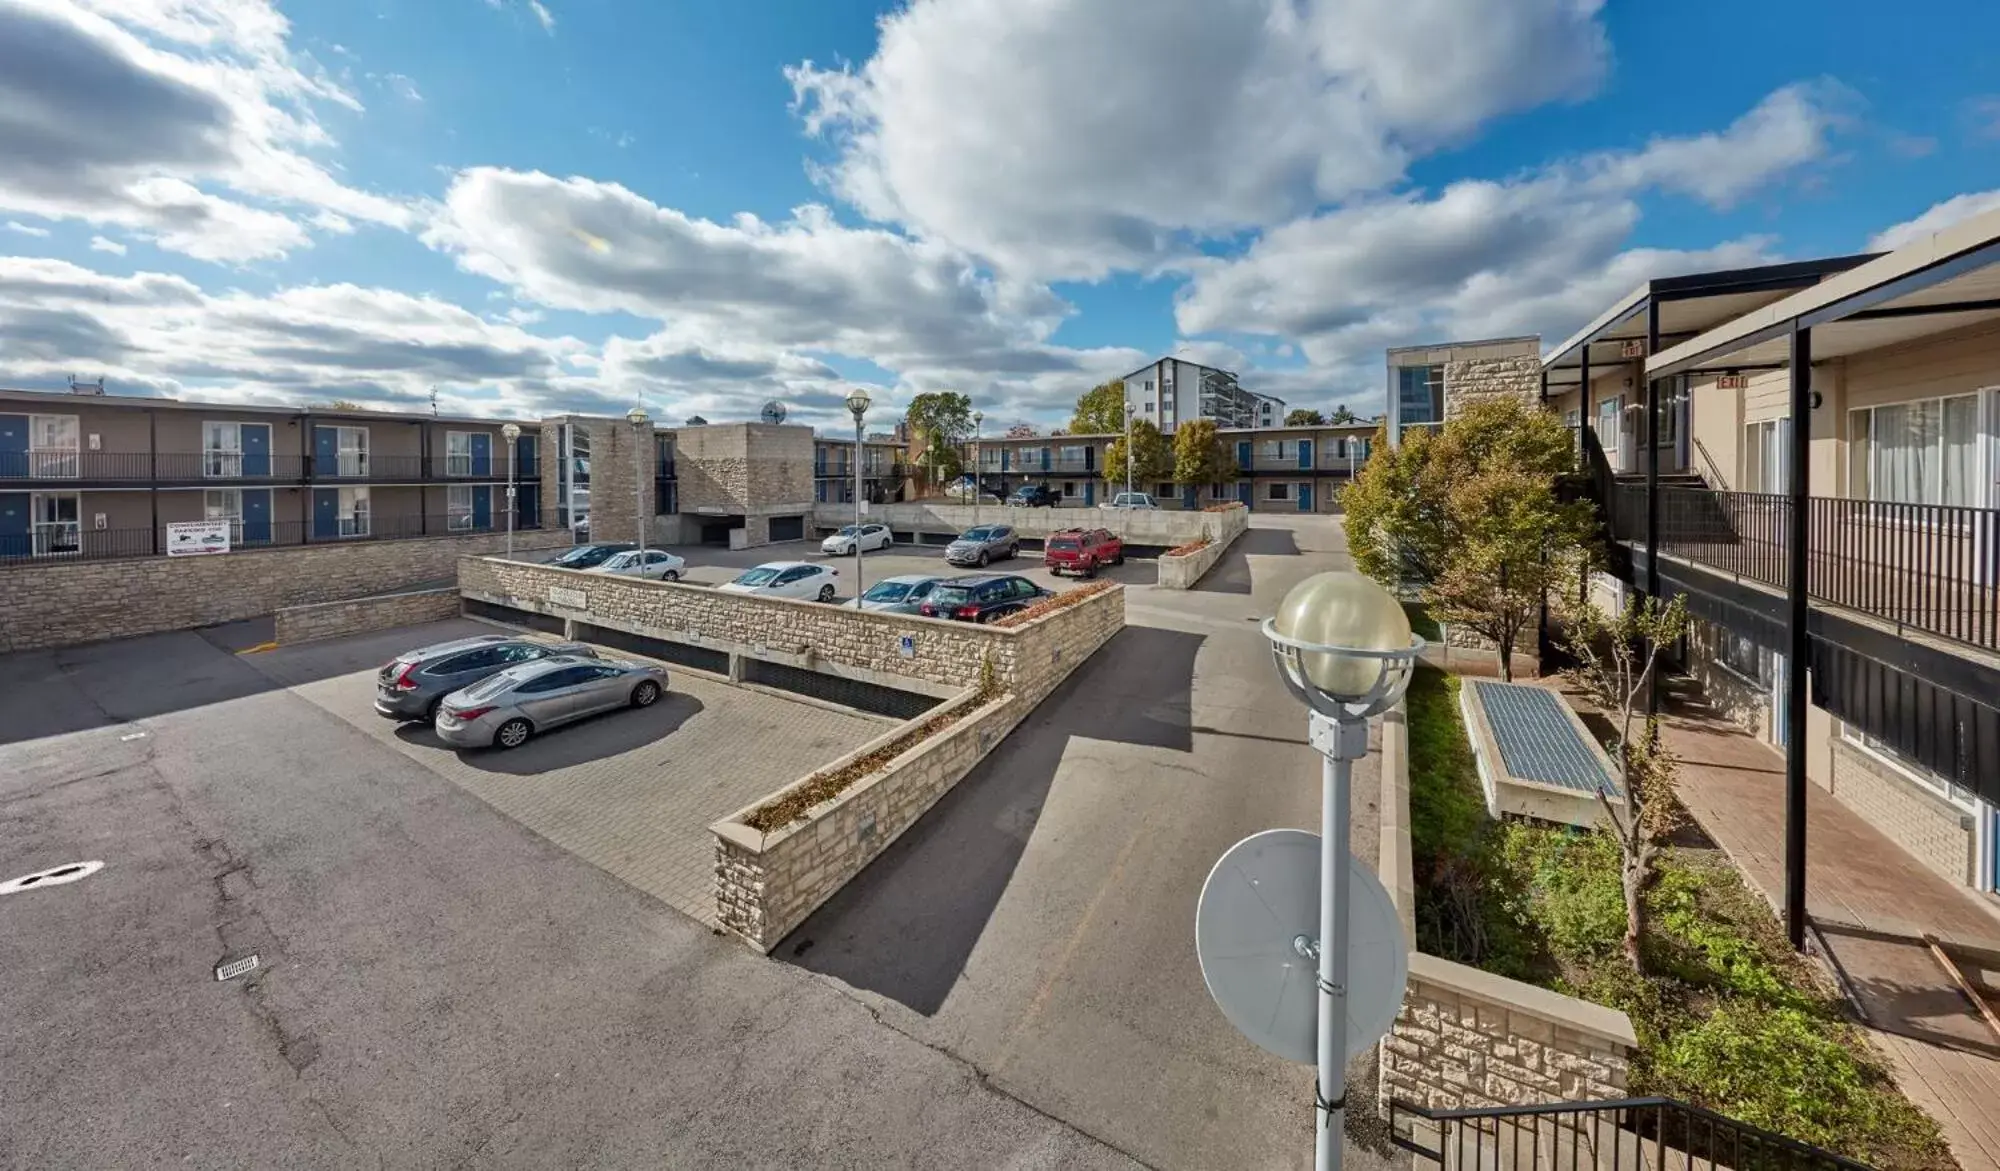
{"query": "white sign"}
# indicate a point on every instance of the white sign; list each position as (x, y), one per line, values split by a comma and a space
(907, 647)
(864, 508)
(1632, 350)
(572, 599)
(195, 538)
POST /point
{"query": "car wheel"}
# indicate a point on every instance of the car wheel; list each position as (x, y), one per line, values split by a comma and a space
(513, 734)
(826, 593)
(983, 559)
(1013, 551)
(1120, 559)
(431, 710)
(644, 694)
(671, 575)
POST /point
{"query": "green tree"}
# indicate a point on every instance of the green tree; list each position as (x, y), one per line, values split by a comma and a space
(1201, 455)
(340, 404)
(1342, 416)
(1101, 410)
(942, 419)
(1152, 457)
(1469, 515)
(1304, 417)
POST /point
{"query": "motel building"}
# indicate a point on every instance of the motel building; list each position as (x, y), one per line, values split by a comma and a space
(1810, 455)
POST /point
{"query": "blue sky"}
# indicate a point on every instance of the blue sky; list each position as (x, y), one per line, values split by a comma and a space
(533, 205)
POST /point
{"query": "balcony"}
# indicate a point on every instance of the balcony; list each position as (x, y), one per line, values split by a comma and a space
(1925, 568)
(141, 468)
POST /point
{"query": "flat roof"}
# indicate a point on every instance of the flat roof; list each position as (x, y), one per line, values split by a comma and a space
(1937, 283)
(1479, 341)
(148, 402)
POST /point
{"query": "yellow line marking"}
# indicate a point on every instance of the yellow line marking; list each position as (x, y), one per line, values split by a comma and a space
(262, 646)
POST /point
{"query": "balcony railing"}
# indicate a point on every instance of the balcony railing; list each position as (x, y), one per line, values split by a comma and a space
(54, 543)
(187, 467)
(1926, 567)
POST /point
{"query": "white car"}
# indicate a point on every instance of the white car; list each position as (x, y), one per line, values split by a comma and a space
(653, 564)
(787, 579)
(1129, 501)
(868, 536)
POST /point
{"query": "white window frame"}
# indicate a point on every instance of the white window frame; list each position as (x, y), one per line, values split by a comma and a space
(1936, 786)
(55, 538)
(224, 504)
(220, 460)
(354, 512)
(1863, 454)
(1274, 449)
(54, 461)
(1221, 491)
(1069, 489)
(1280, 492)
(457, 463)
(350, 446)
(457, 516)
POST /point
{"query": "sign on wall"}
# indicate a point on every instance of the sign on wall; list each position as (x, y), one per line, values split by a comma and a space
(1732, 381)
(1632, 350)
(196, 538)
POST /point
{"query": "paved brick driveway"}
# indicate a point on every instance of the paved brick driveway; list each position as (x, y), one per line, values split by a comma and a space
(632, 792)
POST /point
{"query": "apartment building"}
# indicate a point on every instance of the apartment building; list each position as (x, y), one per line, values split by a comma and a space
(1854, 402)
(1279, 469)
(87, 474)
(885, 470)
(1170, 391)
(1429, 383)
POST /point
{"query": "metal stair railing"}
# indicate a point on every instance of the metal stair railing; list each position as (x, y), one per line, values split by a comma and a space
(1626, 1134)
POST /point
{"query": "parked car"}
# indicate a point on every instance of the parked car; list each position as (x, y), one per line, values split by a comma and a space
(652, 564)
(1081, 551)
(787, 579)
(895, 595)
(1127, 501)
(980, 545)
(964, 491)
(505, 710)
(1035, 496)
(410, 685)
(868, 536)
(981, 597)
(591, 556)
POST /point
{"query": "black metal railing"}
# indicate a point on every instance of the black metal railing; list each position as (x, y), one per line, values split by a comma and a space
(1932, 568)
(1644, 1134)
(55, 468)
(47, 544)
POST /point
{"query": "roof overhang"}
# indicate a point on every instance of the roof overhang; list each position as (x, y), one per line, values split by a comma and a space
(1942, 282)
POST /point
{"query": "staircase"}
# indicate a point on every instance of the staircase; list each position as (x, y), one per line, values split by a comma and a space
(1639, 1134)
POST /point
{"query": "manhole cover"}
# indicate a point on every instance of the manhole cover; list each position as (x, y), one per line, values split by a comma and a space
(235, 968)
(53, 876)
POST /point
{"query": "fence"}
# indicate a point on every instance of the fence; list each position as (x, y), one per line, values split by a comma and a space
(69, 541)
(45, 467)
(1640, 1133)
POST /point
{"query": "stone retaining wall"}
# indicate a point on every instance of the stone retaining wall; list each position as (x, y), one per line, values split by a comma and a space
(1163, 528)
(295, 624)
(64, 603)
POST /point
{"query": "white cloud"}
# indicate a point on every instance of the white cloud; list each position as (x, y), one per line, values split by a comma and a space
(1069, 140)
(1936, 218)
(25, 229)
(542, 14)
(102, 244)
(134, 114)
(1786, 130)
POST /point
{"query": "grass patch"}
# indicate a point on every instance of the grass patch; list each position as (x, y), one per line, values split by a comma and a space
(1731, 1018)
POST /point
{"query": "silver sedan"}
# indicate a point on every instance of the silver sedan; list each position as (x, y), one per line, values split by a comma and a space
(506, 709)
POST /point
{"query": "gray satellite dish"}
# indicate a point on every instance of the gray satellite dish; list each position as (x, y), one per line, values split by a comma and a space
(1262, 895)
(774, 412)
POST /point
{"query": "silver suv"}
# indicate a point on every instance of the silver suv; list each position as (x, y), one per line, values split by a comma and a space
(983, 544)
(411, 685)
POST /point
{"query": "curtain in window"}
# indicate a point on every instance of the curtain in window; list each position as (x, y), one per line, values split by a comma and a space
(1961, 447)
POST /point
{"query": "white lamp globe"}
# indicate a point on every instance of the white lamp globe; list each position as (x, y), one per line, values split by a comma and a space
(1345, 610)
(511, 432)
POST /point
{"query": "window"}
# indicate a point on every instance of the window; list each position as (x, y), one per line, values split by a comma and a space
(1070, 453)
(351, 445)
(1218, 492)
(222, 449)
(1766, 454)
(1420, 394)
(224, 504)
(1278, 490)
(458, 453)
(1742, 656)
(795, 574)
(354, 511)
(1922, 452)
(1163, 490)
(1908, 769)
(52, 446)
(1277, 449)
(1149, 407)
(1069, 488)
(458, 505)
(56, 528)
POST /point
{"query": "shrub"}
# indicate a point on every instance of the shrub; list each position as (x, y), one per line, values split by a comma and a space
(1192, 547)
(1062, 601)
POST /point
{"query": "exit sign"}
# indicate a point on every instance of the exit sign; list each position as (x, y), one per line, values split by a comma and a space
(1632, 350)
(1732, 381)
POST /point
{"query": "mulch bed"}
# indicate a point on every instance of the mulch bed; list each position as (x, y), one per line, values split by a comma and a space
(1061, 601)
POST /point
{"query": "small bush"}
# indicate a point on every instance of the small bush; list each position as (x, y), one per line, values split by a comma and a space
(1062, 601)
(1194, 546)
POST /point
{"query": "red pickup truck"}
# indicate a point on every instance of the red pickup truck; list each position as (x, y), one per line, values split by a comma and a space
(1081, 551)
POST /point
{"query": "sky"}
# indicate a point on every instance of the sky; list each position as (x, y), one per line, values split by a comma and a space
(699, 206)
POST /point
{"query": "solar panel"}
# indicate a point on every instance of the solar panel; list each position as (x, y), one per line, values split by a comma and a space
(1537, 739)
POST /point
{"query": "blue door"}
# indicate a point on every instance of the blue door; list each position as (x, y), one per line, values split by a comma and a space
(1305, 453)
(1243, 455)
(528, 506)
(482, 454)
(14, 519)
(326, 512)
(482, 504)
(1305, 497)
(524, 458)
(1089, 492)
(1188, 497)
(326, 452)
(256, 507)
(256, 455)
(1243, 492)
(14, 450)
(1004, 453)
(1046, 461)
(1089, 457)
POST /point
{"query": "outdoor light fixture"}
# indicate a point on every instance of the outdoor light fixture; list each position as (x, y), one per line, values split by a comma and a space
(510, 433)
(637, 417)
(1281, 903)
(978, 444)
(857, 405)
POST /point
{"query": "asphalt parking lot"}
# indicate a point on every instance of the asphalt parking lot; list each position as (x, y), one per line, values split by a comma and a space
(710, 565)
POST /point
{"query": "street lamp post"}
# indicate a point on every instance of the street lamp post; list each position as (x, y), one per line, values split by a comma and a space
(637, 417)
(510, 433)
(857, 405)
(1129, 408)
(978, 474)
(1343, 646)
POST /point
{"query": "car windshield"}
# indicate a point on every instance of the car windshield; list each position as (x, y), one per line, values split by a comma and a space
(761, 575)
(980, 534)
(850, 530)
(888, 591)
(950, 595)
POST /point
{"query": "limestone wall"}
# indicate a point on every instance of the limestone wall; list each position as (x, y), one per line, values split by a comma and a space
(295, 624)
(1474, 380)
(1163, 528)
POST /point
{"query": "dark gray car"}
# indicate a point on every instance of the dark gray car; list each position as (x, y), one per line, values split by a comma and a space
(411, 684)
(980, 545)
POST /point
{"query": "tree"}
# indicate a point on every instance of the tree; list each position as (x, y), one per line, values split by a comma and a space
(1022, 431)
(695, 421)
(1469, 515)
(1201, 455)
(1152, 457)
(1101, 411)
(341, 404)
(942, 420)
(1616, 659)
(1304, 417)
(1342, 416)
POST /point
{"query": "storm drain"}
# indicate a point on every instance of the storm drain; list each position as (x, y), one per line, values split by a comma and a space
(54, 876)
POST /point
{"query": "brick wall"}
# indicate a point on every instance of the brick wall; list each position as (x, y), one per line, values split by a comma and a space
(296, 624)
(1473, 380)
(1931, 829)
(87, 601)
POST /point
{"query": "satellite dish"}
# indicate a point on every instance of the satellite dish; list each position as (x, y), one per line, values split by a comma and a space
(774, 412)
(1262, 895)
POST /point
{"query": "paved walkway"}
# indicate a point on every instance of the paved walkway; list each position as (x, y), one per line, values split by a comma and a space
(1871, 903)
